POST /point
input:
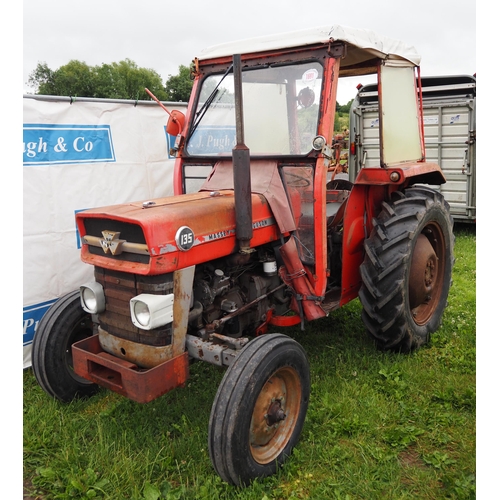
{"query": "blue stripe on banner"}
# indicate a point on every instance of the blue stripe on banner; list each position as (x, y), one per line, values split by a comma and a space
(58, 144)
(212, 140)
(31, 317)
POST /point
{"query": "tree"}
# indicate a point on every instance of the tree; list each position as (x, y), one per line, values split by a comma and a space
(122, 80)
(77, 76)
(179, 86)
(42, 78)
(345, 108)
(132, 80)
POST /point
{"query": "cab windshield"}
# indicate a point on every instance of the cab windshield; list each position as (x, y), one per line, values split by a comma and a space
(280, 111)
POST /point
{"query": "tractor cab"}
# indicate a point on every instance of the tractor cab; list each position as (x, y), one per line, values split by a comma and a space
(275, 97)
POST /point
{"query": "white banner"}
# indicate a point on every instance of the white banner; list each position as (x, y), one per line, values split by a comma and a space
(79, 154)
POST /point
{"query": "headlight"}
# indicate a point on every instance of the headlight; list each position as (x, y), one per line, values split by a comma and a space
(141, 313)
(152, 311)
(92, 298)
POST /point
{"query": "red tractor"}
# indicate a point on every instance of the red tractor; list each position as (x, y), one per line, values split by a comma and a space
(264, 230)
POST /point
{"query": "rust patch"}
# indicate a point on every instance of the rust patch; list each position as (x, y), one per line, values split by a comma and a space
(125, 378)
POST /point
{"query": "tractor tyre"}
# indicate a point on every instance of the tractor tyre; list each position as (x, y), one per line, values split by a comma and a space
(64, 323)
(259, 409)
(407, 270)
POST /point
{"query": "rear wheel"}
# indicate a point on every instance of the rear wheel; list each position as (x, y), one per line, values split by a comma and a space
(406, 273)
(259, 409)
(62, 325)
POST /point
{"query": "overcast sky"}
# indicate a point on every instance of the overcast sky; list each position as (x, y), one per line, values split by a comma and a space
(162, 34)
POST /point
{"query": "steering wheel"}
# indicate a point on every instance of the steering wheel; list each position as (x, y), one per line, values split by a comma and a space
(306, 97)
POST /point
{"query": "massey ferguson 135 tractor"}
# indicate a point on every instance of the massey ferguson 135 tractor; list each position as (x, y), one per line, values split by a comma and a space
(263, 231)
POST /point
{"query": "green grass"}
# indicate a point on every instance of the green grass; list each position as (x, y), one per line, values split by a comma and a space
(379, 425)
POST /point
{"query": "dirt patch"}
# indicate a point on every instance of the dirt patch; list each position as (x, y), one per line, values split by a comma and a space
(27, 489)
(410, 458)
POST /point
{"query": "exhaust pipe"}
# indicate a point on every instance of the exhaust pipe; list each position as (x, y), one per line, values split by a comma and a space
(241, 168)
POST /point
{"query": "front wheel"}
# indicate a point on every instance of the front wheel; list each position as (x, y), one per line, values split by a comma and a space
(64, 323)
(406, 273)
(259, 409)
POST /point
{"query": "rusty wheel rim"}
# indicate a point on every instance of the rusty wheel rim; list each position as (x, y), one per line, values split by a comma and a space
(427, 273)
(275, 415)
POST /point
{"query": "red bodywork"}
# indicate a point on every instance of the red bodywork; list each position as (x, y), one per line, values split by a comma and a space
(211, 217)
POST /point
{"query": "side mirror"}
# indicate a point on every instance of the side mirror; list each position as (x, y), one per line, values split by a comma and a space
(175, 122)
(176, 119)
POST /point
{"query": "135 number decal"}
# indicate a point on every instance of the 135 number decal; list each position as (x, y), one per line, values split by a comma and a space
(184, 238)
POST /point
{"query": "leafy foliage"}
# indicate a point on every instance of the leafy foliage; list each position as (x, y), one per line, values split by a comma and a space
(344, 108)
(122, 80)
(125, 80)
(179, 86)
(342, 117)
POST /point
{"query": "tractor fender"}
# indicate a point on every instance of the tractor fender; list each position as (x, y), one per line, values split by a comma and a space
(372, 187)
(404, 174)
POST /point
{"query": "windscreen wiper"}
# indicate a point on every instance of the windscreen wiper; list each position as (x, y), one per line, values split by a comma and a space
(201, 113)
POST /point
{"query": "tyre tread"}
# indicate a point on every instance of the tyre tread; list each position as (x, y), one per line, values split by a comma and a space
(387, 255)
(223, 423)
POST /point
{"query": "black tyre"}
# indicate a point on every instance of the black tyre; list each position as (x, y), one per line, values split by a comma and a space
(62, 325)
(406, 273)
(259, 409)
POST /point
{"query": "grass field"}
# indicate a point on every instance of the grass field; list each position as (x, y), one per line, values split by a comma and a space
(379, 425)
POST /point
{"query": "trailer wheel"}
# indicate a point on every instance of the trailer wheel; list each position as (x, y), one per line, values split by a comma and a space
(62, 325)
(259, 409)
(406, 273)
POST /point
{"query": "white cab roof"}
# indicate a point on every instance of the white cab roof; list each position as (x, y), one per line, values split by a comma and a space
(362, 45)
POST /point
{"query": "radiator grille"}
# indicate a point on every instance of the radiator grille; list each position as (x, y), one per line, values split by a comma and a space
(119, 288)
(132, 233)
